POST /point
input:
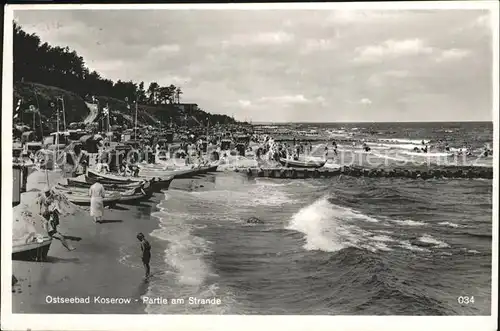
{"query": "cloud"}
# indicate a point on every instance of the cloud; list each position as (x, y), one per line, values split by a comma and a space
(320, 99)
(244, 103)
(453, 54)
(365, 101)
(280, 101)
(397, 73)
(387, 78)
(164, 50)
(360, 16)
(483, 21)
(174, 79)
(285, 99)
(316, 45)
(391, 49)
(292, 65)
(263, 39)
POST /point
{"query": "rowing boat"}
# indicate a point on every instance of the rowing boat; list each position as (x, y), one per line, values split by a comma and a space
(33, 251)
(158, 183)
(111, 179)
(302, 164)
(87, 183)
(182, 173)
(80, 198)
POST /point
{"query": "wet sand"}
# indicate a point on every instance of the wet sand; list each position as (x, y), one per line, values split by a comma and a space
(95, 269)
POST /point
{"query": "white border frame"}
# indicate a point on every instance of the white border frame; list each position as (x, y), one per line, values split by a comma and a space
(216, 322)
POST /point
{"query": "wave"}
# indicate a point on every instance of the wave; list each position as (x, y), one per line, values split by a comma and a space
(396, 146)
(186, 271)
(262, 195)
(452, 225)
(408, 222)
(390, 157)
(407, 245)
(330, 228)
(270, 182)
(185, 251)
(406, 141)
(429, 154)
(428, 239)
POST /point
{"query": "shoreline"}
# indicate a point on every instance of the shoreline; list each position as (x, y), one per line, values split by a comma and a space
(102, 252)
(89, 269)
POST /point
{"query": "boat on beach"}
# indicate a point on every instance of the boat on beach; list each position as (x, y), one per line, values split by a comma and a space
(32, 251)
(157, 182)
(87, 182)
(113, 198)
(146, 191)
(111, 178)
(194, 172)
(302, 163)
(177, 173)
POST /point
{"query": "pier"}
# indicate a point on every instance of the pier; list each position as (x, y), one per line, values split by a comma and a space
(420, 173)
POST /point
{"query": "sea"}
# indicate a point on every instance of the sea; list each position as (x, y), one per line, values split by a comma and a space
(337, 246)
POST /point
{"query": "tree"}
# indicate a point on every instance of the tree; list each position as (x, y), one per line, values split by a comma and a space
(178, 93)
(141, 93)
(171, 90)
(153, 91)
(164, 95)
(62, 67)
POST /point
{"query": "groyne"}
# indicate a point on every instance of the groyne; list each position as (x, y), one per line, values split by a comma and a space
(421, 173)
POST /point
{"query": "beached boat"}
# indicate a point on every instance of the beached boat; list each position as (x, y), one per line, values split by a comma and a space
(177, 173)
(81, 190)
(194, 172)
(87, 183)
(112, 179)
(33, 251)
(302, 164)
(82, 198)
(158, 182)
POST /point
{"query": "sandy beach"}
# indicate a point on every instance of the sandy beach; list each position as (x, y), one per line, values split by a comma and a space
(96, 269)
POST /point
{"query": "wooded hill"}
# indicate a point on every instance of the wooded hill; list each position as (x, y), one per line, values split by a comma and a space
(43, 73)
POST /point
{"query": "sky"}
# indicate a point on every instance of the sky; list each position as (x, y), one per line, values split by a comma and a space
(292, 65)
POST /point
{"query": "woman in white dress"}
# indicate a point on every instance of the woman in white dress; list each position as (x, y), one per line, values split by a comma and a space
(97, 194)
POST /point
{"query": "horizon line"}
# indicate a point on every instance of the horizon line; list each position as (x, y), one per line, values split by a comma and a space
(374, 122)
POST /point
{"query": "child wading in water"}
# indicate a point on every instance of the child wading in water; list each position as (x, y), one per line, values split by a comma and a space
(146, 252)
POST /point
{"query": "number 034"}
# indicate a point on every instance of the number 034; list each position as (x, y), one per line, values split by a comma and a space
(465, 300)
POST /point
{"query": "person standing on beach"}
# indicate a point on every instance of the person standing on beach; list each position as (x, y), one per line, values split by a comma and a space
(146, 252)
(97, 194)
(51, 227)
(45, 201)
(50, 213)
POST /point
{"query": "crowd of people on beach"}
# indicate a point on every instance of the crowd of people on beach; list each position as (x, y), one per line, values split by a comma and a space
(269, 148)
(290, 151)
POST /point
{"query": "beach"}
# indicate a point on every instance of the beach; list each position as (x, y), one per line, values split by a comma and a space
(105, 264)
(394, 246)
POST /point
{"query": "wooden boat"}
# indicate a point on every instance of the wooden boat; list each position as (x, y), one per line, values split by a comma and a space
(181, 173)
(302, 164)
(80, 198)
(112, 179)
(79, 195)
(87, 183)
(162, 183)
(194, 172)
(156, 182)
(34, 251)
(84, 191)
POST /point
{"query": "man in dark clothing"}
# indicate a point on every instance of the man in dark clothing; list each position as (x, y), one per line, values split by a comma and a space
(146, 252)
